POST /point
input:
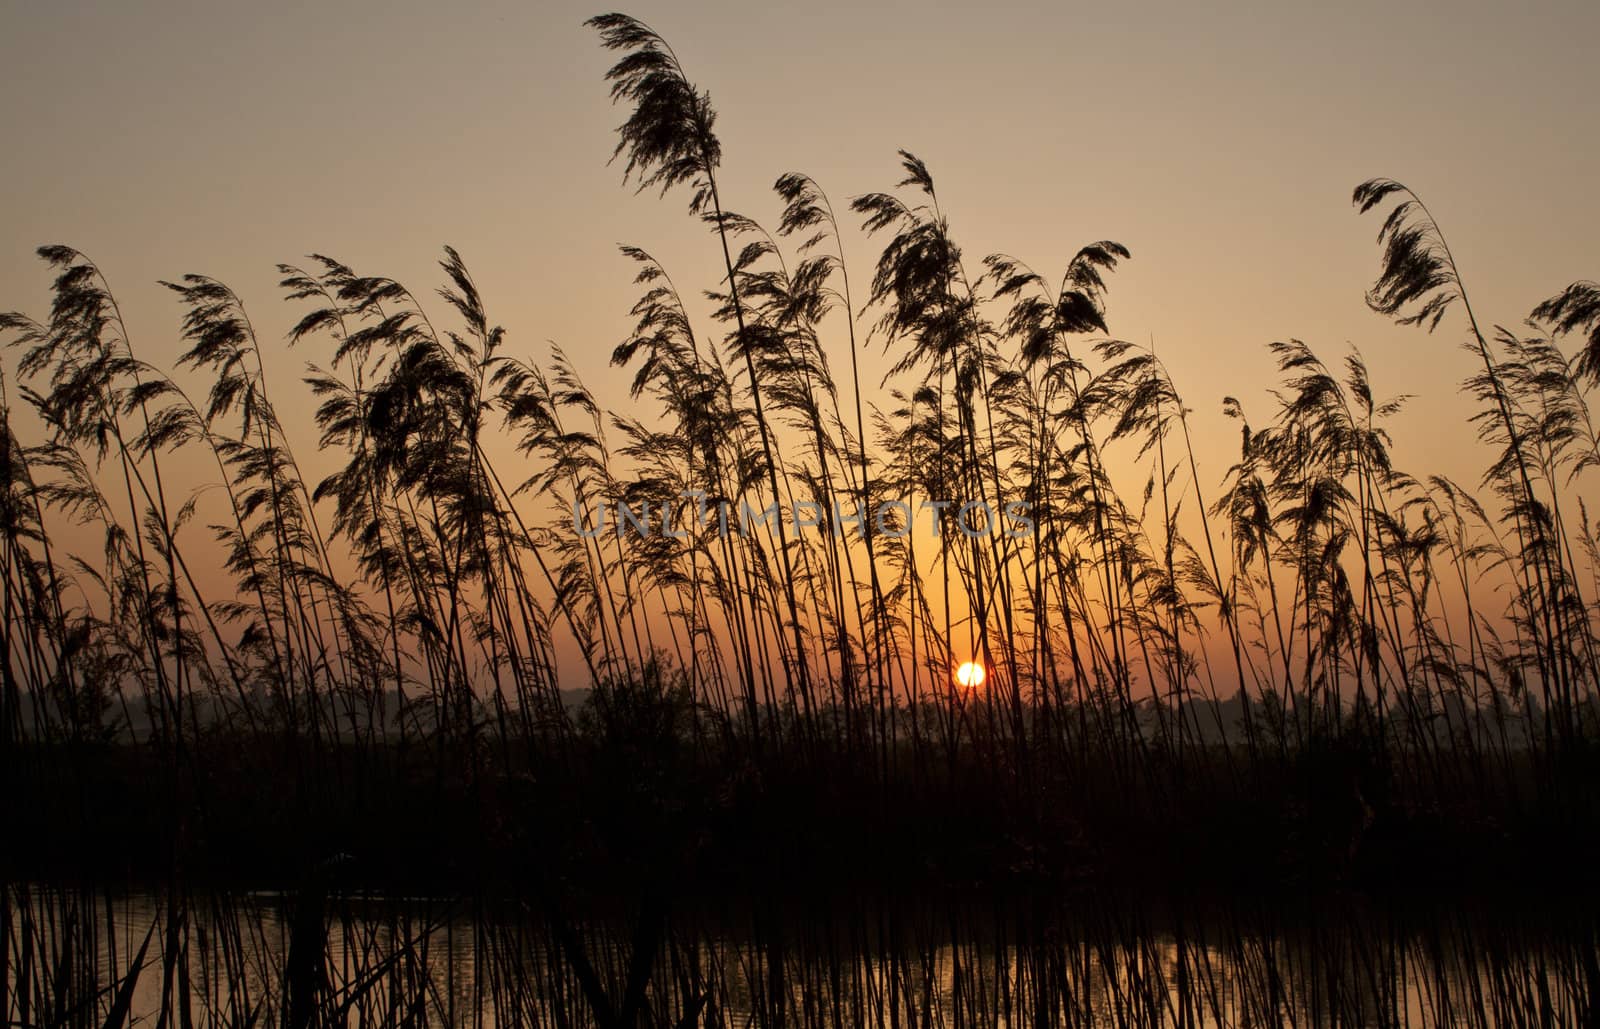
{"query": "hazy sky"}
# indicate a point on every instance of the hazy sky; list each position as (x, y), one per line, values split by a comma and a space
(1219, 144)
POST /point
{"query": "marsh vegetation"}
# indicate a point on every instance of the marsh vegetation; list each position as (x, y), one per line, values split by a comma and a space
(1277, 735)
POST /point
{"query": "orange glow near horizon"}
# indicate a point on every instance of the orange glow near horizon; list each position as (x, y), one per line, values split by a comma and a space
(1220, 176)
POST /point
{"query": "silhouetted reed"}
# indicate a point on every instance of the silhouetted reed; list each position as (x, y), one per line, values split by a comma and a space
(631, 756)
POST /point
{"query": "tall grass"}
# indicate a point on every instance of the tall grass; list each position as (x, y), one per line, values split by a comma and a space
(1308, 650)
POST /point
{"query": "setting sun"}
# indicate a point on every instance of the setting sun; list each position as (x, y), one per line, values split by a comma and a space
(970, 674)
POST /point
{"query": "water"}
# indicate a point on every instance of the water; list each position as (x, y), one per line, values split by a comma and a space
(390, 962)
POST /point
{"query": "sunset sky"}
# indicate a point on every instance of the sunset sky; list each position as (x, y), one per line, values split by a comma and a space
(1219, 144)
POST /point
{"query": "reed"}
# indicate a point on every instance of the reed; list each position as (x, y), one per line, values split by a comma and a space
(629, 757)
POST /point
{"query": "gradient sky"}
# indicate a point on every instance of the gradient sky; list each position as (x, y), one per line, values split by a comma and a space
(1219, 144)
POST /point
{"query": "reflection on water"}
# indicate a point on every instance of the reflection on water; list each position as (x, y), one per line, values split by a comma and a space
(73, 958)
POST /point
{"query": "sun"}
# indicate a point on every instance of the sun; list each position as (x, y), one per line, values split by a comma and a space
(970, 674)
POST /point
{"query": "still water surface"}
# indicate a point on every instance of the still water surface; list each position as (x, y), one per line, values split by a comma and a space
(259, 959)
